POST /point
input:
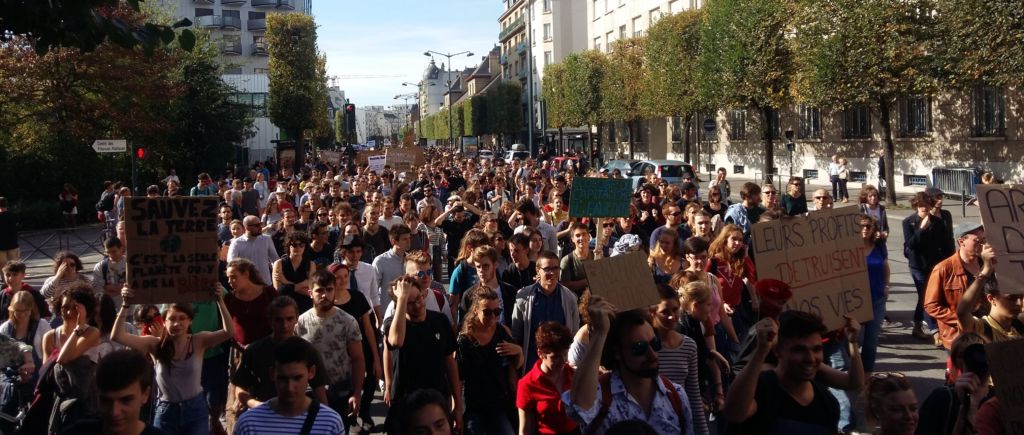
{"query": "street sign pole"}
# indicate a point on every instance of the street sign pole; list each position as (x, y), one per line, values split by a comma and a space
(135, 174)
(709, 128)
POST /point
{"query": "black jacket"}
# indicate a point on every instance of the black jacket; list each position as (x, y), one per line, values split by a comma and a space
(924, 248)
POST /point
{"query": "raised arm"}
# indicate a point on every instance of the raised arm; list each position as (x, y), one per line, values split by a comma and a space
(975, 291)
(206, 340)
(396, 334)
(740, 403)
(584, 386)
(147, 344)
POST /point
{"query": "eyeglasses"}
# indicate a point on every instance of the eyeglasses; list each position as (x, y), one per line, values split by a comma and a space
(607, 225)
(551, 269)
(771, 192)
(424, 273)
(492, 313)
(639, 348)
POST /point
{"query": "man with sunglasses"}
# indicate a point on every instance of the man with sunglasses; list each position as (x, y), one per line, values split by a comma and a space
(255, 247)
(674, 220)
(544, 301)
(626, 344)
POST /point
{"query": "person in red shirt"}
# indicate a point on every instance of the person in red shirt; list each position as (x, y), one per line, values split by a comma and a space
(735, 271)
(539, 396)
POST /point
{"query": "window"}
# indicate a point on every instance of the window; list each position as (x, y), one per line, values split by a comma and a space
(253, 15)
(677, 134)
(653, 16)
(233, 70)
(261, 71)
(231, 13)
(673, 6)
(622, 32)
(597, 43)
(856, 123)
(738, 124)
(547, 31)
(637, 30)
(989, 111)
(547, 6)
(548, 58)
(810, 122)
(200, 12)
(593, 5)
(773, 126)
(915, 116)
(608, 39)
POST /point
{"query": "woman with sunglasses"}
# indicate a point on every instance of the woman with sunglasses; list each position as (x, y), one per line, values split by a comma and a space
(488, 363)
(891, 405)
(793, 202)
(293, 272)
(678, 354)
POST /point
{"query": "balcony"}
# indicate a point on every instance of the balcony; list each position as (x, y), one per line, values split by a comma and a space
(203, 2)
(232, 23)
(511, 29)
(264, 3)
(286, 4)
(232, 2)
(259, 48)
(210, 21)
(521, 48)
(231, 47)
(256, 24)
(503, 60)
(521, 74)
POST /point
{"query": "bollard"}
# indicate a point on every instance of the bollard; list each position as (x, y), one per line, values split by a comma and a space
(963, 202)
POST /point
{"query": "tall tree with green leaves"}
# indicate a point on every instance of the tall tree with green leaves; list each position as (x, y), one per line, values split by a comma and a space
(981, 42)
(504, 110)
(553, 94)
(866, 52)
(746, 59)
(622, 85)
(295, 81)
(671, 82)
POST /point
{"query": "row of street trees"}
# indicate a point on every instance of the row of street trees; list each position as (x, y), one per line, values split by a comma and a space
(55, 102)
(765, 55)
(499, 111)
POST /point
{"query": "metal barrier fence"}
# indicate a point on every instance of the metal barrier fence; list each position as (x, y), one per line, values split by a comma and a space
(81, 241)
(957, 181)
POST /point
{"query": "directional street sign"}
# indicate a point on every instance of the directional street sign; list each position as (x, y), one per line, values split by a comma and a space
(110, 145)
(709, 125)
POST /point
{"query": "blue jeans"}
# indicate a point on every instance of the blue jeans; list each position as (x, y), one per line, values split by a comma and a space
(836, 353)
(188, 417)
(870, 332)
(488, 422)
(920, 281)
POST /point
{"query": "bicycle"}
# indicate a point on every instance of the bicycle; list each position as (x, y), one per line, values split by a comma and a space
(109, 230)
(15, 397)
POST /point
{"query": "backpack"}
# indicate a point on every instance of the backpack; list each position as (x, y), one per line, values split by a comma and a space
(439, 297)
(606, 403)
(106, 202)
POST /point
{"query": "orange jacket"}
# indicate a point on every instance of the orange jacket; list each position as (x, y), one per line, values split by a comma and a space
(946, 286)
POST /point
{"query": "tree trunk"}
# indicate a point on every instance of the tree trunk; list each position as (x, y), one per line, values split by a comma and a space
(687, 125)
(890, 150)
(629, 129)
(300, 152)
(769, 147)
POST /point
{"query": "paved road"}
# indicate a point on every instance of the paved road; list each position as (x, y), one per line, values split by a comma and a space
(898, 350)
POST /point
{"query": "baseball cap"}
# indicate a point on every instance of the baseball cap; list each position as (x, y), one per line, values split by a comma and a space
(965, 228)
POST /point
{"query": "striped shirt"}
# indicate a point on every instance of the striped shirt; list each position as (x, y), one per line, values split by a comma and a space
(680, 366)
(262, 420)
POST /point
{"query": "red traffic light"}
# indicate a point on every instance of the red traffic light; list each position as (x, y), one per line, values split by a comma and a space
(350, 107)
(140, 153)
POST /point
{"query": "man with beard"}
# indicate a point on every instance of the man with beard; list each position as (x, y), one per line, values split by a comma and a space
(786, 399)
(626, 344)
(335, 334)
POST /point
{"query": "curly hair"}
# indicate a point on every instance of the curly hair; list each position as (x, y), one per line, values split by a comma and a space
(553, 337)
(720, 250)
(480, 295)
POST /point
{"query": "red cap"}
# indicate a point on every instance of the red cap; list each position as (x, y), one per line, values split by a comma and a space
(773, 294)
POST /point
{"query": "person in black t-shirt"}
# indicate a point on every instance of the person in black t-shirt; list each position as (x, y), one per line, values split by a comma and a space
(124, 378)
(786, 400)
(420, 347)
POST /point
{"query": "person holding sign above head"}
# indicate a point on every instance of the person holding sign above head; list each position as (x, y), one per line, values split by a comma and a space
(1004, 321)
(951, 277)
(182, 408)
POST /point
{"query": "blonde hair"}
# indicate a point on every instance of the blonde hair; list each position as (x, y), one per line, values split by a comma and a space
(672, 257)
(694, 291)
(22, 299)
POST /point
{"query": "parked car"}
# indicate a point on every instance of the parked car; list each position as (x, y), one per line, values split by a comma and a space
(485, 154)
(622, 165)
(512, 155)
(672, 171)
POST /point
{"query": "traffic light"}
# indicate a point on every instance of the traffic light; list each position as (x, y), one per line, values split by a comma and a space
(350, 118)
(140, 152)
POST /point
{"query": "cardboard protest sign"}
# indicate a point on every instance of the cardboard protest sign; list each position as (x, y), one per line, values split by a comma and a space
(171, 248)
(1004, 359)
(376, 163)
(363, 156)
(332, 157)
(625, 281)
(405, 159)
(822, 258)
(1002, 214)
(600, 197)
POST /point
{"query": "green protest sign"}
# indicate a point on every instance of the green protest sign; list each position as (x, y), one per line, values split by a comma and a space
(600, 197)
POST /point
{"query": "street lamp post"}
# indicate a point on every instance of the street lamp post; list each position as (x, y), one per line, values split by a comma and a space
(451, 130)
(408, 110)
(790, 147)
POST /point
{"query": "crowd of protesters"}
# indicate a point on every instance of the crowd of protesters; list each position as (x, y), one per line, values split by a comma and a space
(331, 289)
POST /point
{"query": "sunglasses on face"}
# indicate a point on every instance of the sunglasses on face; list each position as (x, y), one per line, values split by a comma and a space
(551, 269)
(675, 213)
(491, 313)
(639, 348)
(424, 273)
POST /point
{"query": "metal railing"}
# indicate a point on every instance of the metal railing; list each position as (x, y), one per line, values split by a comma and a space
(256, 24)
(957, 182)
(233, 22)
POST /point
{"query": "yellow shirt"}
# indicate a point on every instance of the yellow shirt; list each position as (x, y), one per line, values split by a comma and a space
(998, 333)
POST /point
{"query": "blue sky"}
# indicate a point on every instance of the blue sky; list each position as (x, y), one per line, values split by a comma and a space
(388, 37)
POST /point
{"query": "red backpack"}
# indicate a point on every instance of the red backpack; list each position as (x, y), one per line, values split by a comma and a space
(606, 402)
